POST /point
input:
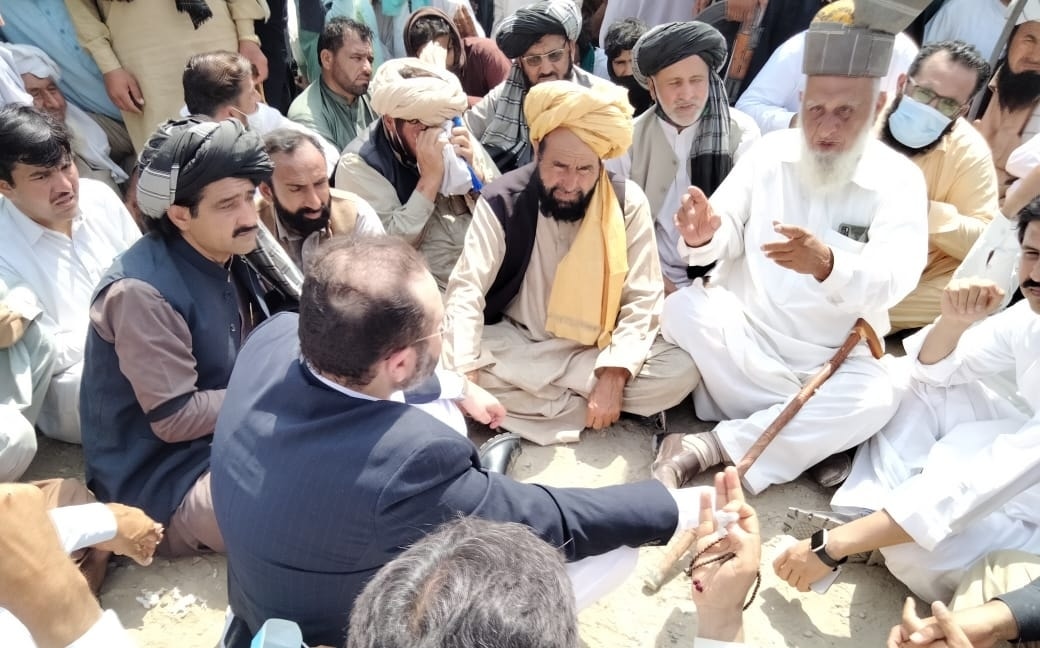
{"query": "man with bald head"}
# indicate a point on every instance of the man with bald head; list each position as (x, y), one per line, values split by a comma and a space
(166, 324)
(416, 166)
(813, 229)
(542, 41)
(553, 305)
(692, 137)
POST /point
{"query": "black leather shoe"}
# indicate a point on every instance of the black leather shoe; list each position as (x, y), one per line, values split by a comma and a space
(498, 453)
(674, 466)
(832, 471)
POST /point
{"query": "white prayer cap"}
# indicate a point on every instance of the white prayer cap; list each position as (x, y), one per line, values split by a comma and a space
(32, 60)
(1030, 13)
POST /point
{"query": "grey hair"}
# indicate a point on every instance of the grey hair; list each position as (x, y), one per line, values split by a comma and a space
(472, 583)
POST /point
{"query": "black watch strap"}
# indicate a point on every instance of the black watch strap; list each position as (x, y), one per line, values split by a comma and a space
(818, 545)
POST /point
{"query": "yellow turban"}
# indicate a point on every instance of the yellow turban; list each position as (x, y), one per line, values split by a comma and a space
(583, 305)
(408, 88)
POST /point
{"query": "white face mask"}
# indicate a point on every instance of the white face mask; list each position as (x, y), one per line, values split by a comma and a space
(916, 124)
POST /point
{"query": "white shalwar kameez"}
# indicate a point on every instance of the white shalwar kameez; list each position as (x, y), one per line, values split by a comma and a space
(758, 332)
(958, 467)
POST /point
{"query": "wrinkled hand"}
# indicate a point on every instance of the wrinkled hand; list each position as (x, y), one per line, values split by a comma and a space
(696, 220)
(123, 90)
(939, 631)
(482, 406)
(39, 584)
(801, 252)
(741, 10)
(252, 51)
(605, 400)
(12, 327)
(428, 155)
(725, 585)
(460, 141)
(969, 300)
(799, 566)
(137, 535)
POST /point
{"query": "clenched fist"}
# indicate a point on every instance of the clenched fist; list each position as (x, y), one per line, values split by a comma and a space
(970, 300)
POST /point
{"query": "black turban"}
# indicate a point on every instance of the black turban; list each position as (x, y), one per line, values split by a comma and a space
(671, 42)
(184, 156)
(518, 32)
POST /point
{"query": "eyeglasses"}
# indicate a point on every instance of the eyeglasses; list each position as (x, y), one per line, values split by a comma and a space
(946, 105)
(442, 330)
(535, 60)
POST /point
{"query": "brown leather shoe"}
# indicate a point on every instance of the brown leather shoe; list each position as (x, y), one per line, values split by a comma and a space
(674, 466)
(832, 471)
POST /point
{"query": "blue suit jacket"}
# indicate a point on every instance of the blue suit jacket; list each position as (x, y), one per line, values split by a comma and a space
(315, 490)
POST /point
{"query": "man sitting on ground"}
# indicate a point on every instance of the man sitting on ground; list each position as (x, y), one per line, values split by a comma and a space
(954, 475)
(541, 38)
(411, 165)
(316, 426)
(692, 138)
(60, 235)
(299, 207)
(166, 324)
(553, 305)
(814, 229)
(925, 122)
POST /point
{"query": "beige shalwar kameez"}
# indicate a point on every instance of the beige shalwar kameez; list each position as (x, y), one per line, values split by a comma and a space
(544, 381)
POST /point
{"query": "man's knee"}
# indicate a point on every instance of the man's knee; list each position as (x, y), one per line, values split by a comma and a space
(17, 444)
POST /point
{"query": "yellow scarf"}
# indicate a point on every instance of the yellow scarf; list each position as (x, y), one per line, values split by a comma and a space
(584, 304)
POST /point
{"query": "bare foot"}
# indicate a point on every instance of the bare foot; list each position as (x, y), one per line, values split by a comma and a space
(137, 535)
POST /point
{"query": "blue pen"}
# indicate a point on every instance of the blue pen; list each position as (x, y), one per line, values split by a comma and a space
(477, 184)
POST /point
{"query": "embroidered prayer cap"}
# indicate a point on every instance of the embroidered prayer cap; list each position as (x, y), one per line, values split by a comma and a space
(409, 88)
(518, 32)
(29, 59)
(855, 37)
(185, 155)
(601, 115)
(670, 43)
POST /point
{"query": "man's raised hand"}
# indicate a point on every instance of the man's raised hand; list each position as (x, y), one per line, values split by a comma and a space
(969, 300)
(696, 220)
(801, 252)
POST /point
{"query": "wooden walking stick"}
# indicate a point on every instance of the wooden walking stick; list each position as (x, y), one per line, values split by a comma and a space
(861, 332)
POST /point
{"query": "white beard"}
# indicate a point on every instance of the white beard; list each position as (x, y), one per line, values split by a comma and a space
(824, 173)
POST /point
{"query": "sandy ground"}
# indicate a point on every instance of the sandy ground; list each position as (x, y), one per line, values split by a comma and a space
(180, 604)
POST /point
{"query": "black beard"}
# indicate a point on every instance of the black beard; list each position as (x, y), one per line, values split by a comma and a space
(298, 222)
(889, 139)
(563, 212)
(1017, 90)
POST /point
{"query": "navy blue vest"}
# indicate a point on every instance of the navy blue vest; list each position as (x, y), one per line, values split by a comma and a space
(126, 462)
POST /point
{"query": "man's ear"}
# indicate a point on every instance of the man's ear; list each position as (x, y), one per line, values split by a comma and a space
(650, 87)
(266, 192)
(6, 188)
(901, 82)
(882, 101)
(325, 59)
(400, 364)
(180, 216)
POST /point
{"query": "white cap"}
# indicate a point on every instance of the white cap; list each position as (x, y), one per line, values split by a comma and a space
(1030, 13)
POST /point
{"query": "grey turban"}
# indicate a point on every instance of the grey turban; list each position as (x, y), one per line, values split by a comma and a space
(671, 42)
(184, 156)
(518, 32)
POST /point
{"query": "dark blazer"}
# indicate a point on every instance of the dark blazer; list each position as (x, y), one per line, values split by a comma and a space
(1025, 606)
(315, 490)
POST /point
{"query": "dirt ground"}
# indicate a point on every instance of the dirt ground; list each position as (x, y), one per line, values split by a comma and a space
(181, 603)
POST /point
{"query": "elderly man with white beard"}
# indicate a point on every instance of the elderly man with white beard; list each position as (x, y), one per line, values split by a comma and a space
(813, 229)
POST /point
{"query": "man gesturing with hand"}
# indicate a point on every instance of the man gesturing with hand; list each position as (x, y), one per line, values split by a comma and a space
(812, 229)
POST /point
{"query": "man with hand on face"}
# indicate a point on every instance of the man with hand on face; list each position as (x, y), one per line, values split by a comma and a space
(553, 305)
(166, 324)
(299, 207)
(691, 138)
(813, 229)
(955, 474)
(541, 38)
(925, 122)
(413, 166)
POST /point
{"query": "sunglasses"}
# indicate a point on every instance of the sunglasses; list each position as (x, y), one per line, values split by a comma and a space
(535, 60)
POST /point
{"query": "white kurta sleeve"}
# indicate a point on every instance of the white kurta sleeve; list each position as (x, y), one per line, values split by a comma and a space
(772, 99)
(464, 299)
(84, 525)
(732, 203)
(108, 632)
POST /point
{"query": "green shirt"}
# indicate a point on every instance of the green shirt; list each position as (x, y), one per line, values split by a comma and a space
(329, 114)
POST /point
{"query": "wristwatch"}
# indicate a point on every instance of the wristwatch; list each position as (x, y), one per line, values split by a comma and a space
(818, 545)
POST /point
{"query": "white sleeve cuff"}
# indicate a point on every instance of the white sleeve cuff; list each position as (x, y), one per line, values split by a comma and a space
(83, 526)
(108, 632)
